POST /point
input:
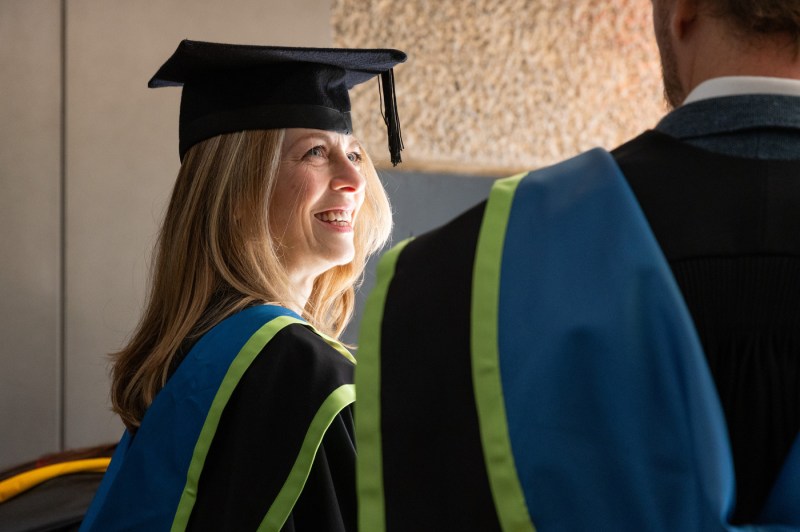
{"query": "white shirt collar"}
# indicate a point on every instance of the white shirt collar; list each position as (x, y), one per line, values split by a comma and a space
(738, 85)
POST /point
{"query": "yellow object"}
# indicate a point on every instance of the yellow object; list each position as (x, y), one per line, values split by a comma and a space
(17, 484)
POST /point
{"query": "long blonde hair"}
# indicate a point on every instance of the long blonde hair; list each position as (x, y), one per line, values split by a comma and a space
(215, 256)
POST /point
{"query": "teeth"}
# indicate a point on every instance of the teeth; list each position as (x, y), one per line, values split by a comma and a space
(334, 216)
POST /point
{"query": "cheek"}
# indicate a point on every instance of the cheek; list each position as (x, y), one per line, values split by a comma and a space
(280, 214)
(361, 201)
(285, 200)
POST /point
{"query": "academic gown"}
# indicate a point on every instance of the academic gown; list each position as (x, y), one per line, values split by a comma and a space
(253, 431)
(732, 240)
(598, 410)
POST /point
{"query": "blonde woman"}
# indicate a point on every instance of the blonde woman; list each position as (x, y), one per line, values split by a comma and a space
(235, 394)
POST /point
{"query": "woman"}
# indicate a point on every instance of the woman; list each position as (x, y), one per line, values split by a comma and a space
(235, 394)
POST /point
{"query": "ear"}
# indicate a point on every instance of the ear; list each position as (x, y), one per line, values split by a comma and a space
(683, 17)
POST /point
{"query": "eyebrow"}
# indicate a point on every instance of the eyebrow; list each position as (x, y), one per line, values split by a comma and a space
(327, 136)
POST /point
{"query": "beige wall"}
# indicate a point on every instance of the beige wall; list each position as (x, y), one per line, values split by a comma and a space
(121, 157)
(30, 191)
(504, 86)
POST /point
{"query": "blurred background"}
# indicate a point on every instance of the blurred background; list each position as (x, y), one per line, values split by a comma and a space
(88, 154)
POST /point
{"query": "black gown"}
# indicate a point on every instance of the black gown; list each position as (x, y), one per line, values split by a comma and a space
(253, 430)
(236, 485)
(730, 230)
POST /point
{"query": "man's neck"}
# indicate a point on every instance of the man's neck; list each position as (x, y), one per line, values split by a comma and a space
(711, 50)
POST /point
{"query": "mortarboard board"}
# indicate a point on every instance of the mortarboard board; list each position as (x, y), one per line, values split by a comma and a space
(235, 87)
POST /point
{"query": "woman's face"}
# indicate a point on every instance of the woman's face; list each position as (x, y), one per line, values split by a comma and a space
(317, 196)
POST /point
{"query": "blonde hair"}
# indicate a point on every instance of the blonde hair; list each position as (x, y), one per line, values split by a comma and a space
(215, 256)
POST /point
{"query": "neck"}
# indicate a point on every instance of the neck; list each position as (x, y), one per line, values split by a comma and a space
(718, 51)
(302, 285)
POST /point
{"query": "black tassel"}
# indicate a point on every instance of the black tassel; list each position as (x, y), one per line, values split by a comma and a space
(390, 116)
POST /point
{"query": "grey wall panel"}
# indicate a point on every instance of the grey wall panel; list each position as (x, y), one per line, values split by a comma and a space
(122, 157)
(30, 170)
(420, 202)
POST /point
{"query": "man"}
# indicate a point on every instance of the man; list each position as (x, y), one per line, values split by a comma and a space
(534, 363)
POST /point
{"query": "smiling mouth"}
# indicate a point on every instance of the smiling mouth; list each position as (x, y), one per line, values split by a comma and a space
(337, 218)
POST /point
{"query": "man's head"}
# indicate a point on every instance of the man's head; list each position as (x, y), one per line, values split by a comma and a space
(755, 19)
(700, 39)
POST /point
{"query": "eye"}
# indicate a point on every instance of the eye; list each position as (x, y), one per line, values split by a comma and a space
(354, 157)
(316, 151)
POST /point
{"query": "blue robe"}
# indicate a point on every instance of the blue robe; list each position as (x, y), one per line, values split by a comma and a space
(588, 404)
(154, 478)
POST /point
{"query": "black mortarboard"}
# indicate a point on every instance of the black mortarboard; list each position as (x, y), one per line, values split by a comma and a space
(234, 87)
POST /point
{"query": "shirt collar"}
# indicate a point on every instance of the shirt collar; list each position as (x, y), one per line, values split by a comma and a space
(739, 85)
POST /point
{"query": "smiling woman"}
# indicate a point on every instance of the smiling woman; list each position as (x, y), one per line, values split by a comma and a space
(318, 196)
(235, 393)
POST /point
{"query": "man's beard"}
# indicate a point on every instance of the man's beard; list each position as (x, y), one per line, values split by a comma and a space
(673, 91)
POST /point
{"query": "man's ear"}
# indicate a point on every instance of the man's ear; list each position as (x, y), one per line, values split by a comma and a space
(683, 17)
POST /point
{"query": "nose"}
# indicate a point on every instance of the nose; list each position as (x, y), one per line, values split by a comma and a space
(347, 177)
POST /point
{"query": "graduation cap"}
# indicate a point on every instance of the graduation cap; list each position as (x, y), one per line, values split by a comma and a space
(234, 87)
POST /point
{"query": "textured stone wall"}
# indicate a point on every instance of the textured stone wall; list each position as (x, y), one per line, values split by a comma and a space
(494, 87)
